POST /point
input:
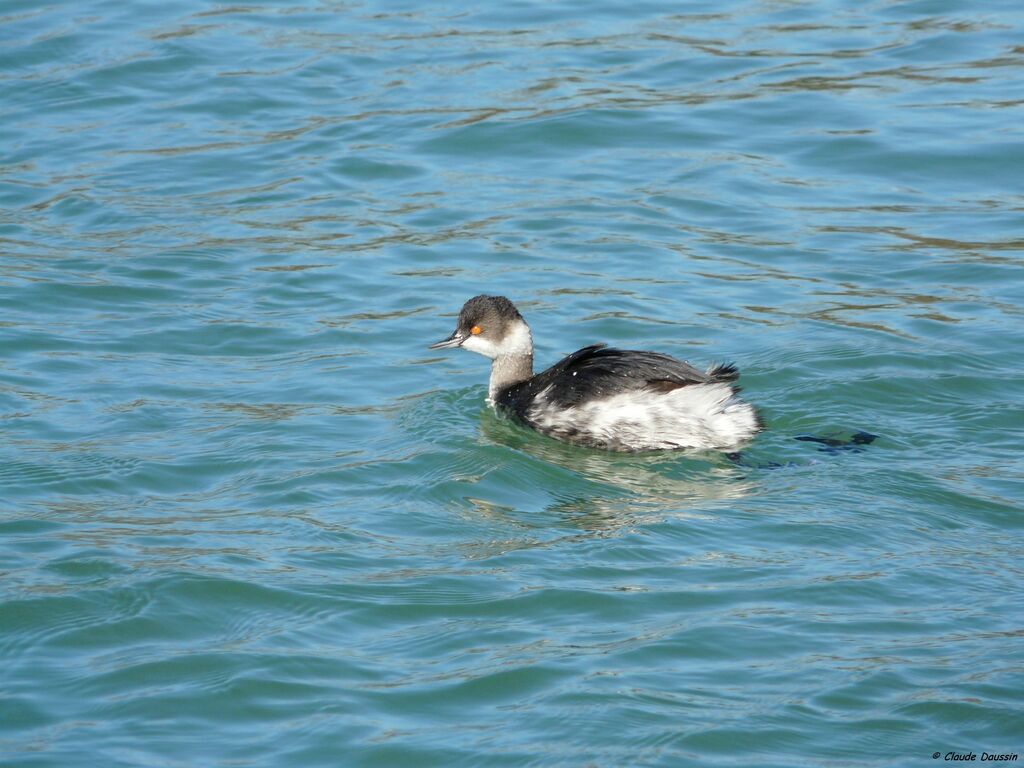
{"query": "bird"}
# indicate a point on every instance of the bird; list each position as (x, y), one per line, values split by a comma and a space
(602, 397)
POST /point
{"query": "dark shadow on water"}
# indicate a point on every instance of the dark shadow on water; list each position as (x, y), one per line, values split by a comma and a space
(854, 444)
(827, 444)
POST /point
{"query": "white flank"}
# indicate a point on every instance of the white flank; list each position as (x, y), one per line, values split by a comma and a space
(694, 416)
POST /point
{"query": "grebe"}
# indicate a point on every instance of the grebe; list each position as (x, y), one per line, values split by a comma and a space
(600, 397)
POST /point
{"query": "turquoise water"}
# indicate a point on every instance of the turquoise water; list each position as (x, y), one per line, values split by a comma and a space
(248, 519)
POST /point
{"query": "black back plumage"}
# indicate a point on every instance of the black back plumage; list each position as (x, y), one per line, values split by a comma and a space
(599, 371)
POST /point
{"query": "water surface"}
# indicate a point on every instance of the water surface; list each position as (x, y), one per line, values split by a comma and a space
(248, 519)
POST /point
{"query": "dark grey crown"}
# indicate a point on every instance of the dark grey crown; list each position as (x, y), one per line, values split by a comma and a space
(492, 313)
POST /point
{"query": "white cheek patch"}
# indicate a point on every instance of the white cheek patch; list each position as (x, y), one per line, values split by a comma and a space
(517, 342)
(480, 346)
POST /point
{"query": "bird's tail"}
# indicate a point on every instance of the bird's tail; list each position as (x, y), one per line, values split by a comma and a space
(723, 372)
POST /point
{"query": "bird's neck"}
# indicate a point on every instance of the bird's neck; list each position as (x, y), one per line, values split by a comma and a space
(507, 371)
(514, 362)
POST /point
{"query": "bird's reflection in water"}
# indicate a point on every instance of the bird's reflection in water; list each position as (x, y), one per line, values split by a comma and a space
(618, 489)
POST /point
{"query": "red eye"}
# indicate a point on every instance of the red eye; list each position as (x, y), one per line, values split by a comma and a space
(476, 329)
